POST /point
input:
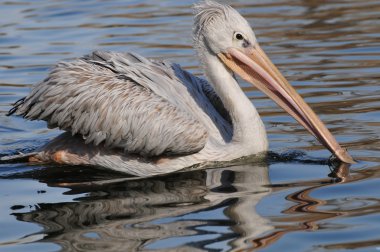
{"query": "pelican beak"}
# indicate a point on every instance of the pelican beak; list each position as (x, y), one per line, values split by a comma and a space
(255, 67)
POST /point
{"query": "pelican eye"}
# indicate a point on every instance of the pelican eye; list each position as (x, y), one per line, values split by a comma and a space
(239, 36)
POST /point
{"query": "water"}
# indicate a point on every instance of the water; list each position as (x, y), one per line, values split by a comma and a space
(329, 50)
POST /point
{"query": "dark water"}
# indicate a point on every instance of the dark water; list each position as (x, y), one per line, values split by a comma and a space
(329, 50)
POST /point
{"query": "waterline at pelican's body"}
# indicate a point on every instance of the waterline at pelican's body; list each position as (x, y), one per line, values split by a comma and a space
(144, 117)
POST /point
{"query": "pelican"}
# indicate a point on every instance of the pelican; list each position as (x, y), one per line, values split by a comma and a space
(145, 117)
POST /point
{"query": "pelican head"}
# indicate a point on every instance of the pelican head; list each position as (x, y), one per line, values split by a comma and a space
(220, 31)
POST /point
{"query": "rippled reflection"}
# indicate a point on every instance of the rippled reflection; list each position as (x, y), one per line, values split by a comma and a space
(209, 207)
(198, 210)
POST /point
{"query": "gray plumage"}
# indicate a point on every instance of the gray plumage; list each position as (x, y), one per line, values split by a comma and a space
(124, 101)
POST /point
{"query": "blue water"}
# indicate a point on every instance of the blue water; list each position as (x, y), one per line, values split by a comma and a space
(329, 50)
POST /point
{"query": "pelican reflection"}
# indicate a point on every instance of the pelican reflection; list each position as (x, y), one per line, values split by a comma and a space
(192, 211)
(143, 214)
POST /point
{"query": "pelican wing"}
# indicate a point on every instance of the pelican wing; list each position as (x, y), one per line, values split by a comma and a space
(117, 99)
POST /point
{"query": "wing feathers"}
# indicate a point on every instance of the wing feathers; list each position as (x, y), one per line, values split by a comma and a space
(110, 98)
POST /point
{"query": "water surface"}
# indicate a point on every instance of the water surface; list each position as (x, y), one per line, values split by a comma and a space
(329, 50)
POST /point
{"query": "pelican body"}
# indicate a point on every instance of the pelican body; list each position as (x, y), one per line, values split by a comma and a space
(144, 117)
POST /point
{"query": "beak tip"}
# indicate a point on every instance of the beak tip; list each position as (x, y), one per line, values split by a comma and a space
(343, 156)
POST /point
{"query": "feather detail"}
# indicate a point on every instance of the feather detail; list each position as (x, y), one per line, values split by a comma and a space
(119, 99)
